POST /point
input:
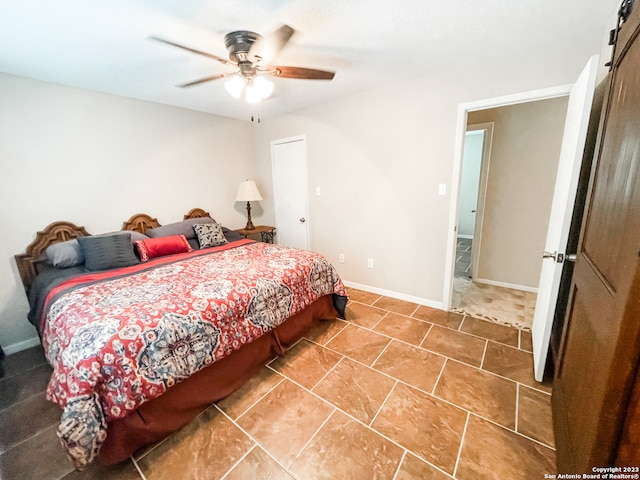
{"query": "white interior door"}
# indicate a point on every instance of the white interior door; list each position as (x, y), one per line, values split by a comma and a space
(573, 141)
(289, 167)
(470, 182)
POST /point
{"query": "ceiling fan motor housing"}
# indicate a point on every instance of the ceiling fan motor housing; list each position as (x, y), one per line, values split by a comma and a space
(239, 43)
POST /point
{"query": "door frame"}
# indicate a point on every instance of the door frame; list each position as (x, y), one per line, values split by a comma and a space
(461, 128)
(281, 141)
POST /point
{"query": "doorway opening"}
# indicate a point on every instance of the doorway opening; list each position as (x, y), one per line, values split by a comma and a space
(495, 234)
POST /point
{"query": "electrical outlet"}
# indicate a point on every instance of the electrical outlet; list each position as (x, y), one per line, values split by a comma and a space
(341, 258)
(370, 262)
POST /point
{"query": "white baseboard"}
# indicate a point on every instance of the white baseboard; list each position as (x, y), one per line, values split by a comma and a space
(400, 296)
(18, 347)
(506, 285)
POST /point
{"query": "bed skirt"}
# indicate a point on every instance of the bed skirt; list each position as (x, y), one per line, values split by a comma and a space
(156, 419)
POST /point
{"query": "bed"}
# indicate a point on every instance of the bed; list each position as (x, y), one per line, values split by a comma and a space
(142, 345)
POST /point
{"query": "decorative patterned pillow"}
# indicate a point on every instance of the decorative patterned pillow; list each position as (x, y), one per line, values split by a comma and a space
(108, 251)
(161, 246)
(209, 234)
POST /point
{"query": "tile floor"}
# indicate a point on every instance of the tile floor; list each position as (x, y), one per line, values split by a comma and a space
(397, 391)
(496, 304)
(463, 257)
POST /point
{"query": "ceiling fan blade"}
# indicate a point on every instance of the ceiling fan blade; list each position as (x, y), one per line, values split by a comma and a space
(208, 79)
(266, 48)
(193, 50)
(299, 72)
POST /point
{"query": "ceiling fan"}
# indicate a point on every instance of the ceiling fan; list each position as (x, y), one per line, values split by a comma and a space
(251, 54)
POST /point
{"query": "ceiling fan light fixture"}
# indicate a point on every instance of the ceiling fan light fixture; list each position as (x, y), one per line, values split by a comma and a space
(235, 85)
(264, 86)
(252, 93)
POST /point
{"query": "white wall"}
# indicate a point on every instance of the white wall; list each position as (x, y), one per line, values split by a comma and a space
(96, 159)
(379, 156)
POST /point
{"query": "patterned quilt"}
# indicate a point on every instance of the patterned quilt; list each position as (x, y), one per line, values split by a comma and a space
(120, 338)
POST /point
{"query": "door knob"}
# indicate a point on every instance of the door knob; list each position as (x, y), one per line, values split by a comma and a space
(302, 220)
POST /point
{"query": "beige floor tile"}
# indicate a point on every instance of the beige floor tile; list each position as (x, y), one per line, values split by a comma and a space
(413, 468)
(326, 330)
(362, 296)
(345, 449)
(306, 363)
(403, 328)
(364, 315)
(256, 465)
(534, 415)
(396, 305)
(425, 425)
(285, 420)
(456, 345)
(439, 317)
(411, 365)
(512, 363)
(209, 443)
(491, 331)
(481, 392)
(246, 396)
(359, 344)
(525, 341)
(356, 389)
(491, 452)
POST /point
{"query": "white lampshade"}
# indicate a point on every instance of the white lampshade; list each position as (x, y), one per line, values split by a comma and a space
(254, 89)
(235, 85)
(248, 192)
(264, 86)
(251, 93)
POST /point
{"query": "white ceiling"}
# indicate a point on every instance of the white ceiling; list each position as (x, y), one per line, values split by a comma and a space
(103, 45)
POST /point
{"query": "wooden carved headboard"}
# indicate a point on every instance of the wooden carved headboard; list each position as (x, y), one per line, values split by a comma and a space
(141, 222)
(30, 262)
(196, 213)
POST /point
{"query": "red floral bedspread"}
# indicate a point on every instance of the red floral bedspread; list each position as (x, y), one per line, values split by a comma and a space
(123, 337)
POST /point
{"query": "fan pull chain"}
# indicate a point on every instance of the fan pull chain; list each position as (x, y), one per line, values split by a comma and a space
(256, 118)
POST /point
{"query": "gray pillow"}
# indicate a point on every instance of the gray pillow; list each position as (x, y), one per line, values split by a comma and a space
(64, 254)
(135, 236)
(104, 252)
(210, 235)
(179, 228)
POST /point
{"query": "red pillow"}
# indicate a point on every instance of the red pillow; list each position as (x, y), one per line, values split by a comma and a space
(161, 246)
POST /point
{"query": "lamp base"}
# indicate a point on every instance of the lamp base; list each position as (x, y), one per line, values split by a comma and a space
(249, 225)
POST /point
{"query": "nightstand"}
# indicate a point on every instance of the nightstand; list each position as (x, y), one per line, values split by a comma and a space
(266, 232)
